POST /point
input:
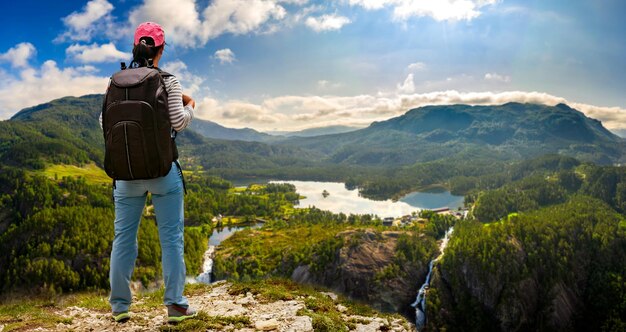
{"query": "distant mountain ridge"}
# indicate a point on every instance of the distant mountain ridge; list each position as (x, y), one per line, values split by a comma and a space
(67, 130)
(316, 131)
(210, 129)
(509, 131)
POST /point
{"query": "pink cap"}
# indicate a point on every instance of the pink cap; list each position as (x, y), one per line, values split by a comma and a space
(152, 30)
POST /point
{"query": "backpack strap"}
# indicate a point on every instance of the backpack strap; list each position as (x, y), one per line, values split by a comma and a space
(163, 73)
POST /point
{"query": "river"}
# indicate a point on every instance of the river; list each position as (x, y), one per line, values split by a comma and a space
(219, 234)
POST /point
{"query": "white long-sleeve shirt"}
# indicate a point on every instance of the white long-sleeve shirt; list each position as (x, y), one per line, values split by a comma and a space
(180, 115)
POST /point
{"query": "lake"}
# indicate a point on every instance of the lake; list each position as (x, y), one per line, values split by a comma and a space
(347, 201)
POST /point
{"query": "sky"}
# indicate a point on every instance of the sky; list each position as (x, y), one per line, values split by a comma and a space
(280, 65)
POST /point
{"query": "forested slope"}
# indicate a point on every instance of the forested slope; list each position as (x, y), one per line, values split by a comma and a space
(558, 268)
(548, 255)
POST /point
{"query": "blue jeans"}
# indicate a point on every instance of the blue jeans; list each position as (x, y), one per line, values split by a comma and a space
(130, 199)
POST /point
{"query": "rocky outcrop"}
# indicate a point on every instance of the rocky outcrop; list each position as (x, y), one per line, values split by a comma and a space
(366, 269)
(225, 309)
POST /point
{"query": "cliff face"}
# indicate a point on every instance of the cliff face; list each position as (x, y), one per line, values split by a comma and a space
(503, 305)
(367, 268)
(558, 269)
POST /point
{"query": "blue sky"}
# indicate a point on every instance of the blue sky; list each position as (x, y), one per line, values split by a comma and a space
(294, 64)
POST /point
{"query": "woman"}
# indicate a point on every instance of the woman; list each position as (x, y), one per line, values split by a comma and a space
(167, 197)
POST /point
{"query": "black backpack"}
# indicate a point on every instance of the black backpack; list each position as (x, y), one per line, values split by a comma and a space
(138, 135)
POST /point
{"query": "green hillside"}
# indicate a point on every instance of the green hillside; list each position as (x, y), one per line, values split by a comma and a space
(62, 131)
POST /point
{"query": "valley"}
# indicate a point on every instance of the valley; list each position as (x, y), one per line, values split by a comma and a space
(541, 247)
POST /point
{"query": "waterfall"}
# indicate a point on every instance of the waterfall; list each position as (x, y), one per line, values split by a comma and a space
(207, 266)
(219, 234)
(420, 300)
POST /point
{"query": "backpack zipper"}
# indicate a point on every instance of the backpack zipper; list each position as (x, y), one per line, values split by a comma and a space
(130, 170)
(154, 118)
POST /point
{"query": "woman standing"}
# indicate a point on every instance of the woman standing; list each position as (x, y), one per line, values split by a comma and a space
(167, 196)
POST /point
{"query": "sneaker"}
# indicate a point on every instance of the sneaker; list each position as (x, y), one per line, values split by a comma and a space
(177, 314)
(121, 317)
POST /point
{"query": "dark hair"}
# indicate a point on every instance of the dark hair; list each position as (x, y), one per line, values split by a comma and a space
(145, 51)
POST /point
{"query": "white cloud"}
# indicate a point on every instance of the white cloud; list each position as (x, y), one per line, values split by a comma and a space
(613, 118)
(225, 55)
(370, 4)
(295, 2)
(180, 19)
(184, 25)
(36, 86)
(93, 11)
(326, 84)
(301, 105)
(239, 16)
(495, 77)
(417, 66)
(84, 24)
(95, 53)
(86, 69)
(303, 13)
(19, 55)
(440, 10)
(190, 82)
(187, 23)
(408, 86)
(237, 113)
(248, 113)
(327, 22)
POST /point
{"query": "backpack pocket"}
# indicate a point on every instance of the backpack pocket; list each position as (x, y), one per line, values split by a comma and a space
(127, 154)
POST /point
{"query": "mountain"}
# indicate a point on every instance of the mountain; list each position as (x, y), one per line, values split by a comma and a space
(509, 131)
(67, 131)
(317, 131)
(64, 130)
(210, 129)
